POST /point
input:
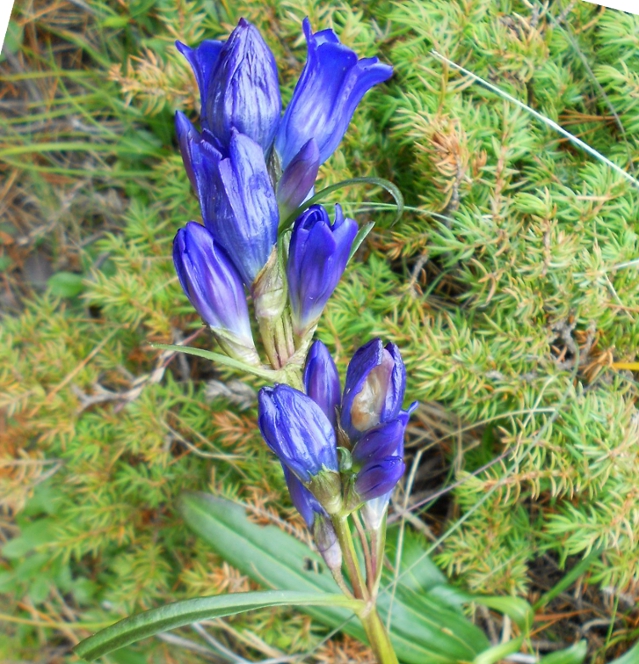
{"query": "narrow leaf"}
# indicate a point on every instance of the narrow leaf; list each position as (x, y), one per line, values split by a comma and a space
(576, 655)
(174, 615)
(220, 359)
(499, 652)
(392, 189)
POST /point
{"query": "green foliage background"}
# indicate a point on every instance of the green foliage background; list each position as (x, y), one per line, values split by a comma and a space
(508, 284)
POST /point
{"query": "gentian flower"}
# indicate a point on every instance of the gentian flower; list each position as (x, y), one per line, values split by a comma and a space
(379, 477)
(318, 254)
(321, 380)
(238, 85)
(317, 520)
(211, 282)
(374, 388)
(236, 195)
(298, 179)
(297, 430)
(331, 86)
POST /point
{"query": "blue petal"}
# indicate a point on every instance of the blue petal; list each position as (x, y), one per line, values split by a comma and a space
(211, 282)
(374, 388)
(330, 87)
(321, 380)
(318, 254)
(242, 212)
(297, 430)
(382, 441)
(203, 60)
(298, 179)
(379, 477)
(305, 502)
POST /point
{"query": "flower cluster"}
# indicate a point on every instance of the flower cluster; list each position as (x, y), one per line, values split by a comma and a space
(365, 425)
(252, 168)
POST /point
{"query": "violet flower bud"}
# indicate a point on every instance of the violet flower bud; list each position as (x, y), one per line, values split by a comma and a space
(379, 477)
(238, 85)
(316, 519)
(303, 500)
(299, 433)
(298, 179)
(382, 441)
(318, 254)
(211, 282)
(321, 380)
(330, 87)
(374, 388)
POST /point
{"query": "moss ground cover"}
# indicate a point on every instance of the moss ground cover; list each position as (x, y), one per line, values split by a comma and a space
(510, 284)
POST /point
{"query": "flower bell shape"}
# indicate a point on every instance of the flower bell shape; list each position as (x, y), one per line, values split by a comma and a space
(330, 87)
(303, 500)
(382, 441)
(297, 430)
(318, 254)
(298, 179)
(374, 388)
(238, 86)
(374, 510)
(321, 380)
(379, 477)
(211, 282)
(236, 195)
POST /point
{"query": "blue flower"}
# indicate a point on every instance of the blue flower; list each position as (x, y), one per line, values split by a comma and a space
(379, 477)
(298, 179)
(382, 441)
(331, 86)
(211, 282)
(321, 380)
(297, 430)
(318, 254)
(374, 388)
(238, 85)
(236, 195)
(305, 502)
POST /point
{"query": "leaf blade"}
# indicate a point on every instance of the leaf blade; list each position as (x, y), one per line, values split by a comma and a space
(178, 614)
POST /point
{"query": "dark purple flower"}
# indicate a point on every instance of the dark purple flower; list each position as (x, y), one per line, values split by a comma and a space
(298, 179)
(236, 195)
(244, 216)
(318, 254)
(331, 85)
(321, 380)
(211, 282)
(374, 388)
(238, 85)
(382, 441)
(305, 502)
(378, 477)
(297, 430)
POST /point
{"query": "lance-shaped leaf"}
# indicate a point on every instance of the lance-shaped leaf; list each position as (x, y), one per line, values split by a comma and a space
(189, 611)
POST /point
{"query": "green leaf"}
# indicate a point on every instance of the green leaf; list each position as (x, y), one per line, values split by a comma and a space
(631, 657)
(31, 536)
(66, 284)
(519, 610)
(499, 652)
(423, 628)
(360, 237)
(392, 189)
(221, 359)
(575, 655)
(178, 614)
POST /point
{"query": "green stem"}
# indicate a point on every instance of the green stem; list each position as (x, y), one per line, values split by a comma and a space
(378, 545)
(378, 638)
(340, 523)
